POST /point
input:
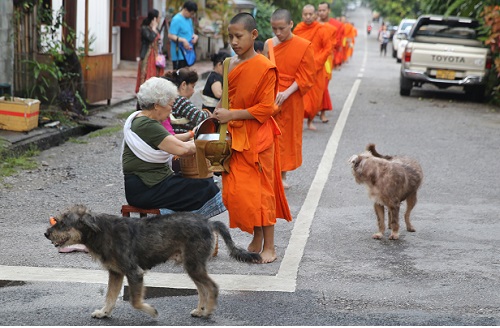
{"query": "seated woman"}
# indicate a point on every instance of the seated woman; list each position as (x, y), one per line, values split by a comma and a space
(213, 87)
(147, 149)
(186, 113)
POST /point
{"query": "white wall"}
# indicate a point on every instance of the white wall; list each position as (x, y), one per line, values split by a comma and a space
(98, 24)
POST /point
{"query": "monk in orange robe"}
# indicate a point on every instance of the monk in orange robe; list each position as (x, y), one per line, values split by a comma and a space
(294, 57)
(323, 18)
(349, 34)
(337, 48)
(321, 40)
(252, 189)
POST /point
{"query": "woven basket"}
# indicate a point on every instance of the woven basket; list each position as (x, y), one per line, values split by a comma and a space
(189, 168)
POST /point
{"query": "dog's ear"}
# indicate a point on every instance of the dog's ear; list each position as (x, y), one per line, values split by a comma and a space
(90, 221)
(355, 160)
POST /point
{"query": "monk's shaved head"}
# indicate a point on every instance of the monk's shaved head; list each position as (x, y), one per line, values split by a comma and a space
(309, 7)
(281, 14)
(246, 19)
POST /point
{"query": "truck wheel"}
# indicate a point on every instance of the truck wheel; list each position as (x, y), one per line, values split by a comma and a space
(404, 86)
(475, 93)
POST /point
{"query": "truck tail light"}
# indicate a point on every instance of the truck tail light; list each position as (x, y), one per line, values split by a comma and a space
(407, 55)
(488, 62)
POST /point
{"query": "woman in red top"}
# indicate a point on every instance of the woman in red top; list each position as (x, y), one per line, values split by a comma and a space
(150, 43)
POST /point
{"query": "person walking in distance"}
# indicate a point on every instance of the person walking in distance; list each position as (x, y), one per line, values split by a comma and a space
(181, 33)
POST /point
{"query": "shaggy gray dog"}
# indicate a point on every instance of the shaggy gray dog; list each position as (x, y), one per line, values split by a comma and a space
(389, 180)
(130, 246)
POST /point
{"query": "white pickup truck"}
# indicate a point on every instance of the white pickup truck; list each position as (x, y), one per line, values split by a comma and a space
(445, 51)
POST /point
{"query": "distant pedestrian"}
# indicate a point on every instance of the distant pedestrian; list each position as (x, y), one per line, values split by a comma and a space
(150, 40)
(181, 33)
(383, 38)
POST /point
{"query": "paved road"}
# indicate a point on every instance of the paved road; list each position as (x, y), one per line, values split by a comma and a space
(330, 271)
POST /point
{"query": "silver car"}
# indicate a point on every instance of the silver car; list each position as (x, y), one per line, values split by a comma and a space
(404, 25)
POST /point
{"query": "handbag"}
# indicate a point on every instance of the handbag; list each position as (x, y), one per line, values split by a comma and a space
(161, 61)
(189, 55)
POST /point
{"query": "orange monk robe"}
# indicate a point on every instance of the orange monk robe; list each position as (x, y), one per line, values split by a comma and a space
(353, 35)
(337, 52)
(295, 62)
(327, 101)
(322, 45)
(349, 34)
(252, 190)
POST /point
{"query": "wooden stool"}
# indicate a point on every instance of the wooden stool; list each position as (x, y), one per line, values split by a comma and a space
(127, 209)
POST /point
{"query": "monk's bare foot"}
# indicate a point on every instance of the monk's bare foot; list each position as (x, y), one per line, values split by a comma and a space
(285, 185)
(255, 246)
(311, 126)
(268, 256)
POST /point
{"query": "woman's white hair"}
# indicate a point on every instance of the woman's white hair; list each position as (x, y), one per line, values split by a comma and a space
(156, 90)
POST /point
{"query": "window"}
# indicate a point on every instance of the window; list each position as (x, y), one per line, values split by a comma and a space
(121, 13)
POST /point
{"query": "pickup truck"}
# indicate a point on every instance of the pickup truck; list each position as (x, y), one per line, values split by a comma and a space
(445, 51)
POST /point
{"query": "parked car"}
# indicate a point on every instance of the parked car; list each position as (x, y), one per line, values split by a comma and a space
(403, 41)
(445, 51)
(403, 26)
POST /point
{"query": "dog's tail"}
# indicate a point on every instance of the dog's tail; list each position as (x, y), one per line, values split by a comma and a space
(371, 149)
(235, 252)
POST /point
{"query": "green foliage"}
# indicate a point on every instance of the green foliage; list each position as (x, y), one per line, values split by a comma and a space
(263, 13)
(221, 12)
(395, 10)
(51, 71)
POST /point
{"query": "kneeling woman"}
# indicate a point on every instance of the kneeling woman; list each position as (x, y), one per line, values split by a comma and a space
(147, 151)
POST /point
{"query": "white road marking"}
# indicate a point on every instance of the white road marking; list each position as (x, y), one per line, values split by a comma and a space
(284, 281)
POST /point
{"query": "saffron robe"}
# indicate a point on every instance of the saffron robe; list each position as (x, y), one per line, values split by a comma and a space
(252, 190)
(337, 52)
(295, 61)
(327, 102)
(349, 34)
(322, 45)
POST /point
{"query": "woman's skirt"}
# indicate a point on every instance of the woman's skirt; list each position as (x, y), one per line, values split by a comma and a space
(175, 194)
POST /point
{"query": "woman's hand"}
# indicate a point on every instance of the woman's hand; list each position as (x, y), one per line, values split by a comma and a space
(174, 146)
(154, 24)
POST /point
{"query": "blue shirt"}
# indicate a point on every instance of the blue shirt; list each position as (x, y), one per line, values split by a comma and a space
(183, 28)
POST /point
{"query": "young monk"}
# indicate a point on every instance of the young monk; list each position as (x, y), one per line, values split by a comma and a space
(294, 57)
(324, 18)
(322, 42)
(252, 190)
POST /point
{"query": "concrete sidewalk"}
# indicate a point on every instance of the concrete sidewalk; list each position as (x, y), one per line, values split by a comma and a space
(102, 115)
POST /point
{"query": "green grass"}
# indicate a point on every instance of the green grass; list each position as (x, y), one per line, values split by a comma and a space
(77, 141)
(125, 115)
(12, 163)
(106, 131)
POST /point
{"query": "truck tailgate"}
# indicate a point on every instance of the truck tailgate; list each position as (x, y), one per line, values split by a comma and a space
(448, 56)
